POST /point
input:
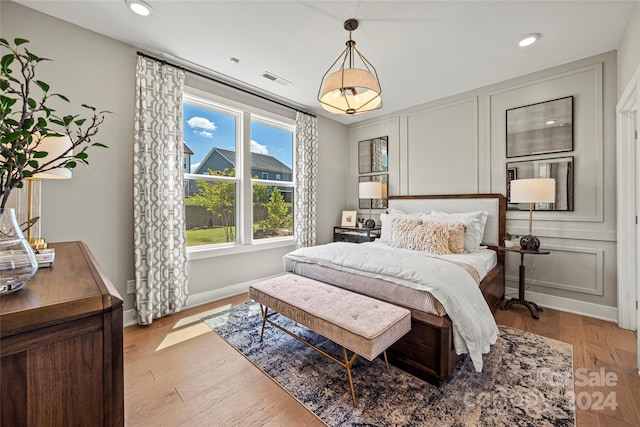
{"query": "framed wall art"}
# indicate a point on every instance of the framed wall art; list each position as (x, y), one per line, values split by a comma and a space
(542, 128)
(348, 219)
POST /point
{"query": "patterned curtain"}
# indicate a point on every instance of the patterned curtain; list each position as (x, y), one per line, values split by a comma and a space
(158, 192)
(306, 180)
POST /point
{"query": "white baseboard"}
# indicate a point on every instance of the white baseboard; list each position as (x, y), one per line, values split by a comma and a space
(129, 316)
(597, 311)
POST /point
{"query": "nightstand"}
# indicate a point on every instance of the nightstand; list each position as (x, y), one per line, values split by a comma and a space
(355, 235)
(520, 300)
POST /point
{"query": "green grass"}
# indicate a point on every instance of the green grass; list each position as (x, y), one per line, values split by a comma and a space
(205, 236)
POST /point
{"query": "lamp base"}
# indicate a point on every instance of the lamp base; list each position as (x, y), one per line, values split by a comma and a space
(529, 242)
(370, 223)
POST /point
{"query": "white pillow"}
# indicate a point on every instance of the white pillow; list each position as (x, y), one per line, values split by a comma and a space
(387, 219)
(474, 221)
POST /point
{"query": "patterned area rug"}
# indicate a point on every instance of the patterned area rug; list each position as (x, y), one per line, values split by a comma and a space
(527, 379)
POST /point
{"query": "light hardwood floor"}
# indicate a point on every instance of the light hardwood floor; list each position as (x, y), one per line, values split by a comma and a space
(179, 372)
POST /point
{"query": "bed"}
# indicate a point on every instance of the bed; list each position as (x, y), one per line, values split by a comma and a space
(428, 350)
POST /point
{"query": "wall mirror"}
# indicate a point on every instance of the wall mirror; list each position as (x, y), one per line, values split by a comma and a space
(382, 203)
(546, 127)
(372, 155)
(560, 169)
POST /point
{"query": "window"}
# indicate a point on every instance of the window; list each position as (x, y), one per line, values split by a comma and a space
(230, 152)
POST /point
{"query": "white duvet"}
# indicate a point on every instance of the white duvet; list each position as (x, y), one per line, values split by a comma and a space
(474, 328)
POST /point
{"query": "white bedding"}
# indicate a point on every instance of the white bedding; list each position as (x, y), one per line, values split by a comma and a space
(474, 328)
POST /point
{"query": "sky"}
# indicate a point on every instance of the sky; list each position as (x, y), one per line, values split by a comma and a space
(205, 129)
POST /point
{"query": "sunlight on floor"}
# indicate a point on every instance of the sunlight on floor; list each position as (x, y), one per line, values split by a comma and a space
(182, 332)
(196, 317)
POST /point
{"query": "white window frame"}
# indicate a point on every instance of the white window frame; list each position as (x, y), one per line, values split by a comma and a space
(245, 114)
(265, 173)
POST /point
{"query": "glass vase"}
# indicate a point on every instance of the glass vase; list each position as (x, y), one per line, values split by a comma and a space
(18, 262)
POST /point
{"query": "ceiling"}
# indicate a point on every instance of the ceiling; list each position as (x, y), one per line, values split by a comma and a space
(422, 50)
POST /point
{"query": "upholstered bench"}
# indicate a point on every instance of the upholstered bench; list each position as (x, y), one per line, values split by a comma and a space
(361, 324)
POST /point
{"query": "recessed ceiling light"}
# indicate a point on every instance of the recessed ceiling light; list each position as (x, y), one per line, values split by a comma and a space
(529, 39)
(139, 6)
(550, 122)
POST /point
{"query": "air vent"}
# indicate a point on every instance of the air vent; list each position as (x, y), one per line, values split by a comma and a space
(274, 78)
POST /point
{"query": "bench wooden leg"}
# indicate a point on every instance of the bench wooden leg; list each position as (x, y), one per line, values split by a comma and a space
(386, 361)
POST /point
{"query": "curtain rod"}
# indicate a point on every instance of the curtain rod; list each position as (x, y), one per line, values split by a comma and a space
(222, 82)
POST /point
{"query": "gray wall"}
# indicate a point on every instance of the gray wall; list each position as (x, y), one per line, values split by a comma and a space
(629, 50)
(96, 205)
(457, 145)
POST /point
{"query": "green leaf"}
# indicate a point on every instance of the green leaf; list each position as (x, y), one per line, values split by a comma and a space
(32, 57)
(18, 42)
(89, 107)
(80, 122)
(39, 154)
(6, 61)
(67, 120)
(9, 138)
(26, 173)
(70, 165)
(61, 96)
(57, 122)
(43, 85)
(4, 42)
(97, 144)
(34, 164)
(42, 123)
(32, 103)
(81, 156)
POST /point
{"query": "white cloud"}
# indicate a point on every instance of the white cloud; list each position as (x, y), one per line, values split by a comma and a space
(204, 133)
(201, 123)
(194, 166)
(256, 147)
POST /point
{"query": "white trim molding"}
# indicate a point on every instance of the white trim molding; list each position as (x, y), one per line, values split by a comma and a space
(626, 202)
(582, 308)
(129, 317)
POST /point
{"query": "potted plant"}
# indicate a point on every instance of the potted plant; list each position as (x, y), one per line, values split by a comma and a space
(507, 240)
(27, 118)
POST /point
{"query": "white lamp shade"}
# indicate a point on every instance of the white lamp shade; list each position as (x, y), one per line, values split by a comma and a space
(370, 190)
(534, 190)
(362, 91)
(55, 146)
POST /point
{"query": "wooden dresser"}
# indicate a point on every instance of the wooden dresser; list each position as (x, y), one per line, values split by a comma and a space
(61, 346)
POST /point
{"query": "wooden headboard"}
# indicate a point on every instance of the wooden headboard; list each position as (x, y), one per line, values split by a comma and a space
(495, 204)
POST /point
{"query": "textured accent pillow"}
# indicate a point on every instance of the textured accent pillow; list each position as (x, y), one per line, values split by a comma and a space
(386, 219)
(474, 221)
(456, 236)
(413, 234)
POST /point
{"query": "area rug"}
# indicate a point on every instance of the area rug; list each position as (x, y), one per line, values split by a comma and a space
(526, 381)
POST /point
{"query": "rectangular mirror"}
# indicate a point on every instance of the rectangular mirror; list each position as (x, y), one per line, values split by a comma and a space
(560, 169)
(546, 127)
(372, 155)
(375, 203)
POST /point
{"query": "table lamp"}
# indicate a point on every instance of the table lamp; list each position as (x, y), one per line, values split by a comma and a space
(54, 146)
(533, 190)
(370, 190)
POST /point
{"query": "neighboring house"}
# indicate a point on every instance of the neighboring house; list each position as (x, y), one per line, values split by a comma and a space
(262, 167)
(187, 158)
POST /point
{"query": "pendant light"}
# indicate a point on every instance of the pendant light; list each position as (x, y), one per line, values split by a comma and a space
(354, 88)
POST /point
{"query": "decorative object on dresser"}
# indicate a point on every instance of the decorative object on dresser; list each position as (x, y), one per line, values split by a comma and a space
(355, 235)
(521, 282)
(370, 190)
(535, 190)
(351, 90)
(61, 354)
(36, 143)
(505, 394)
(18, 262)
